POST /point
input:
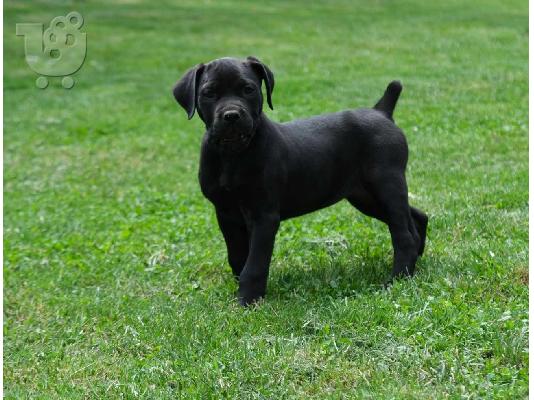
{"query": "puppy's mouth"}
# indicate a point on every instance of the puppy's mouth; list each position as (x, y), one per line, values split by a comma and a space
(241, 138)
(231, 141)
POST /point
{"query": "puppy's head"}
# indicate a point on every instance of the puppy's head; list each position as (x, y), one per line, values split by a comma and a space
(227, 95)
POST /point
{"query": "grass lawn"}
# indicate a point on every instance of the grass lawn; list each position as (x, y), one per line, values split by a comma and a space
(116, 283)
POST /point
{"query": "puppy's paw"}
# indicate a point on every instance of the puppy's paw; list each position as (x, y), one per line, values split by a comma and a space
(395, 276)
(387, 284)
(249, 299)
(251, 290)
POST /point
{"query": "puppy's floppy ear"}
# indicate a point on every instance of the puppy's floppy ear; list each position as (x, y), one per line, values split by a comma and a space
(266, 75)
(185, 90)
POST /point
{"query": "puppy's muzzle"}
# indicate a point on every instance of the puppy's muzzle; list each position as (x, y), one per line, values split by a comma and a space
(231, 116)
(233, 125)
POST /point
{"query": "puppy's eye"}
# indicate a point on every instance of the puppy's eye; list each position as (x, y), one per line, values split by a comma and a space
(249, 89)
(208, 93)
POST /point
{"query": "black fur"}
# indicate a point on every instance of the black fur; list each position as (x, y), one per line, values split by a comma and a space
(389, 100)
(257, 172)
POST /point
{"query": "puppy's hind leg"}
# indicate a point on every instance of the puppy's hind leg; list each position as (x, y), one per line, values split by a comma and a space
(421, 221)
(387, 201)
(367, 204)
(391, 192)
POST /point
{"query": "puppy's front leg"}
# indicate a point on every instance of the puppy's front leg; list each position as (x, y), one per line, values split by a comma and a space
(253, 278)
(234, 230)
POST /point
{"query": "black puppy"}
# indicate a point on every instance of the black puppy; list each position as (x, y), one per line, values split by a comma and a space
(257, 172)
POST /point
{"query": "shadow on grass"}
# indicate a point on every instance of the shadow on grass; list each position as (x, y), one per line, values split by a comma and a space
(337, 278)
(341, 278)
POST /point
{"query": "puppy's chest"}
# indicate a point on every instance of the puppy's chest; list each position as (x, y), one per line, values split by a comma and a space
(237, 178)
(220, 179)
(231, 177)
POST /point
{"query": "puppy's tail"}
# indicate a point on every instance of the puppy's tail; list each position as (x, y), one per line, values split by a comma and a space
(388, 101)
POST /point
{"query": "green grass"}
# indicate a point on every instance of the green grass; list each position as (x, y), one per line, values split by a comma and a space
(115, 274)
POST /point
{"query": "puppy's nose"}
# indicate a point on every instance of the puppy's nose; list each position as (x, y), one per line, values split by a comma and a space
(231, 115)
